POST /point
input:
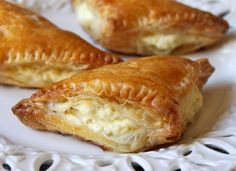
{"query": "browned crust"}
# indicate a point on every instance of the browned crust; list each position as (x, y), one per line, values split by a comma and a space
(29, 39)
(124, 23)
(155, 83)
(203, 69)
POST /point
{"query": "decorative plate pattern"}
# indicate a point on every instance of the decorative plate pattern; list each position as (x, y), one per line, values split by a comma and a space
(210, 143)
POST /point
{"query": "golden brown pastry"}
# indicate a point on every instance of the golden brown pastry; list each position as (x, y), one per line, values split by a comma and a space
(128, 107)
(147, 27)
(35, 53)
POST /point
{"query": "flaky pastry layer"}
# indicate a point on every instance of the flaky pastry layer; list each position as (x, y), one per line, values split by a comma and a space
(148, 27)
(128, 107)
(28, 39)
(36, 76)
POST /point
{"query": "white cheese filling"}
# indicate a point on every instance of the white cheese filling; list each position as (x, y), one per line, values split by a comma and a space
(169, 42)
(114, 121)
(88, 19)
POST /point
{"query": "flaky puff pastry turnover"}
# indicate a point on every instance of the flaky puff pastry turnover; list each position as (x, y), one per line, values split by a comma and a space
(132, 106)
(148, 27)
(35, 52)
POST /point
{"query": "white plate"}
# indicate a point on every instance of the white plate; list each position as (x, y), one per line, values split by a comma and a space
(210, 143)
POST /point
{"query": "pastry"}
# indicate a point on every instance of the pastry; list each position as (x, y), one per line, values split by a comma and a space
(127, 107)
(35, 52)
(147, 27)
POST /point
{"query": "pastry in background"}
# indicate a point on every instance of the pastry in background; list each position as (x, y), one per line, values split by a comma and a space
(34, 52)
(147, 27)
(127, 107)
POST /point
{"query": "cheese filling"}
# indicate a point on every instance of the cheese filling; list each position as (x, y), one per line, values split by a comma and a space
(191, 105)
(88, 19)
(170, 42)
(114, 121)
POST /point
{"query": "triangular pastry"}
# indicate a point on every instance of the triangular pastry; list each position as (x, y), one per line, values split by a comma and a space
(148, 27)
(127, 107)
(34, 52)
